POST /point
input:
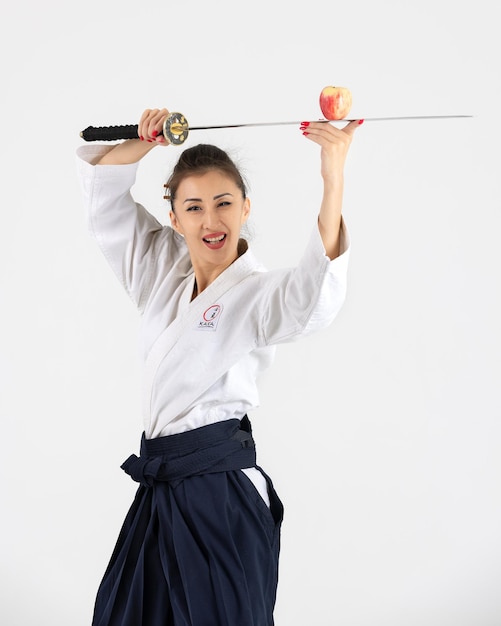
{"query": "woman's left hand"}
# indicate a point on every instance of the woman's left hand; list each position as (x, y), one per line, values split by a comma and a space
(334, 142)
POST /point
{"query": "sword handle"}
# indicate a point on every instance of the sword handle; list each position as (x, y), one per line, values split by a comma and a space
(110, 133)
(175, 131)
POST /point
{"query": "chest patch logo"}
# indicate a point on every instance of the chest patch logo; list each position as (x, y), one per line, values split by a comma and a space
(210, 317)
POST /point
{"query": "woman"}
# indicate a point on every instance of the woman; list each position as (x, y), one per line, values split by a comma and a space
(201, 541)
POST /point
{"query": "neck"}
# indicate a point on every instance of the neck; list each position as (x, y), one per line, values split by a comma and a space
(205, 275)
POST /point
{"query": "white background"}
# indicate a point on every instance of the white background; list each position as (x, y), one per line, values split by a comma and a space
(382, 433)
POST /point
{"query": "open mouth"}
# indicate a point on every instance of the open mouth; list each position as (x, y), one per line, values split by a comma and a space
(215, 241)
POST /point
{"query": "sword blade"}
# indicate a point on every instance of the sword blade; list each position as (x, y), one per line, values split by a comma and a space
(366, 119)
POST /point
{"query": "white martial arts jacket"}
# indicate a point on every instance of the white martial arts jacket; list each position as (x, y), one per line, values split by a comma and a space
(202, 357)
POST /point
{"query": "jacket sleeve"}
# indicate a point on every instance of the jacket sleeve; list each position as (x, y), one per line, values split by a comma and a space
(307, 298)
(128, 236)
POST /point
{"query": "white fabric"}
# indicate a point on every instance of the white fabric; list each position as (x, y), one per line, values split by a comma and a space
(202, 358)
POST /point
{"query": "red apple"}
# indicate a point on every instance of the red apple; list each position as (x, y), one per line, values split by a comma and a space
(335, 102)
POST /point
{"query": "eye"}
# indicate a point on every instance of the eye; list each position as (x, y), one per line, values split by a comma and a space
(194, 207)
(224, 203)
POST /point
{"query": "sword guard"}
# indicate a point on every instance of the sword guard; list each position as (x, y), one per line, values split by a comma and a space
(176, 129)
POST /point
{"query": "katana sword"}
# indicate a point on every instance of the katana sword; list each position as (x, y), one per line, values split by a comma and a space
(176, 127)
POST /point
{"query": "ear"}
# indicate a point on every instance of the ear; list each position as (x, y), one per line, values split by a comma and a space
(175, 222)
(246, 210)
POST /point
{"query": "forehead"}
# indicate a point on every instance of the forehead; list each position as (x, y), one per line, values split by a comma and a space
(210, 184)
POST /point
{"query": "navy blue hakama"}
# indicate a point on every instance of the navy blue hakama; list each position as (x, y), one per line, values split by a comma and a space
(199, 546)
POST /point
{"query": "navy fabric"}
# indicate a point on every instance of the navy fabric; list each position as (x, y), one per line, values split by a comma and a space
(213, 448)
(199, 546)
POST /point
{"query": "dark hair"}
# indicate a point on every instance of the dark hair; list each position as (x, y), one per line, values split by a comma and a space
(199, 160)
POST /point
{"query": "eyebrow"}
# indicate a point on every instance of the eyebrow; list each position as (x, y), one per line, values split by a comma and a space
(220, 195)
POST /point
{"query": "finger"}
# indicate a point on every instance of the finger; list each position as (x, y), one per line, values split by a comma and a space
(144, 126)
(333, 134)
(335, 131)
(155, 127)
(352, 126)
(325, 134)
(151, 125)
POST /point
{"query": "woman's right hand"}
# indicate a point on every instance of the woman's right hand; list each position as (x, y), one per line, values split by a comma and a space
(150, 127)
(150, 134)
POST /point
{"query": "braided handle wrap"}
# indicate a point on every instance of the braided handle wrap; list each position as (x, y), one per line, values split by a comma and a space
(110, 133)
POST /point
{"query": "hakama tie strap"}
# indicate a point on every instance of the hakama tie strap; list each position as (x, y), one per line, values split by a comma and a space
(218, 447)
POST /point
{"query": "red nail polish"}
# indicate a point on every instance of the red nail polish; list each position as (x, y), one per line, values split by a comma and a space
(305, 123)
(141, 138)
(360, 121)
(306, 134)
(154, 133)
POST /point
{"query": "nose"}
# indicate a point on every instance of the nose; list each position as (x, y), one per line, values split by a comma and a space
(211, 219)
